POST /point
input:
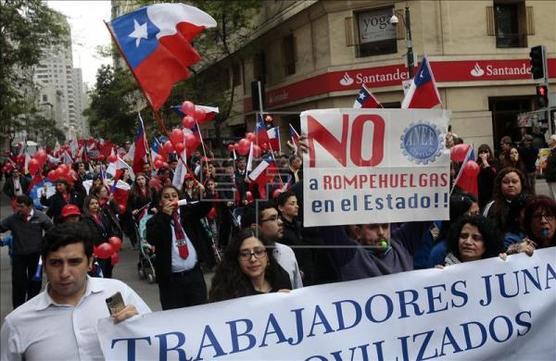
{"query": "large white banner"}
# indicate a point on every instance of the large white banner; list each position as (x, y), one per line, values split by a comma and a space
(375, 166)
(485, 310)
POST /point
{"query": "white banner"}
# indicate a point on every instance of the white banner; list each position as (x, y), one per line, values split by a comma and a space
(375, 166)
(483, 310)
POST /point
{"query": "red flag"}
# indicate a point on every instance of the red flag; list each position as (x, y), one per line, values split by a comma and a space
(365, 99)
(140, 152)
(156, 43)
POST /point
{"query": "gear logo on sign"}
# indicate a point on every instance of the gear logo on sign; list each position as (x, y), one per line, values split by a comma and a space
(421, 142)
(346, 80)
(477, 71)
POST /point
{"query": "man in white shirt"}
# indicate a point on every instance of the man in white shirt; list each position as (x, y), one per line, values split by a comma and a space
(60, 323)
(264, 218)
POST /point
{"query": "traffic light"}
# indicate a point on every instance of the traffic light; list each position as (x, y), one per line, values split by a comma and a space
(542, 96)
(537, 61)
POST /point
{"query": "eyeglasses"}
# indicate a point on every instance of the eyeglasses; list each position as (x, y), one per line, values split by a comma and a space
(274, 218)
(246, 254)
(548, 217)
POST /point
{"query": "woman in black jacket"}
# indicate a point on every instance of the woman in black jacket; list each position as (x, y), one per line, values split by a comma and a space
(179, 249)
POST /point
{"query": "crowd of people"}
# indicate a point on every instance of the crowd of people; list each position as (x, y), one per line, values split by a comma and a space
(253, 238)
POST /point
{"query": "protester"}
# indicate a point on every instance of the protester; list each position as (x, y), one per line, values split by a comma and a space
(141, 197)
(104, 227)
(109, 207)
(550, 171)
(529, 154)
(178, 249)
(27, 226)
(64, 195)
(248, 268)
(505, 147)
(487, 173)
(295, 169)
(16, 184)
(264, 219)
(514, 161)
(539, 221)
(289, 211)
(61, 322)
(510, 186)
(191, 189)
(471, 238)
(70, 213)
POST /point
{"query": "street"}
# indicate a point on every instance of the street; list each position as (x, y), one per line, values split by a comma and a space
(125, 270)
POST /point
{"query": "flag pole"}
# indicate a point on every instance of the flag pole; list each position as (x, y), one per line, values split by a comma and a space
(201, 137)
(145, 140)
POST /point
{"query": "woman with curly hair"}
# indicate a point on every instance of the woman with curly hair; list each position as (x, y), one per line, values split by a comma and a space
(248, 268)
(511, 191)
(539, 221)
(472, 238)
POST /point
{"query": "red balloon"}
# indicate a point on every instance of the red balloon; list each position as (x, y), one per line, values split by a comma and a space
(168, 147)
(179, 147)
(160, 158)
(468, 179)
(243, 149)
(33, 166)
(458, 152)
(104, 250)
(122, 208)
(276, 193)
(41, 156)
(251, 136)
(115, 258)
(244, 143)
(116, 243)
(52, 175)
(112, 158)
(200, 114)
(165, 165)
(59, 172)
(73, 174)
(64, 168)
(188, 122)
(257, 151)
(190, 139)
(100, 157)
(158, 163)
(188, 108)
(176, 136)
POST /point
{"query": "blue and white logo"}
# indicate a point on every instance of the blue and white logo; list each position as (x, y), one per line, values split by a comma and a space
(421, 142)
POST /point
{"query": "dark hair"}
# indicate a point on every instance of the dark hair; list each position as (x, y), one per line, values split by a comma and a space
(25, 199)
(491, 238)
(535, 203)
(283, 198)
(86, 203)
(293, 157)
(506, 140)
(500, 208)
(166, 187)
(96, 190)
(62, 181)
(252, 213)
(230, 282)
(485, 148)
(135, 191)
(64, 234)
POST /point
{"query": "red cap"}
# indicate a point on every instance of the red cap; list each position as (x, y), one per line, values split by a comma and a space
(70, 210)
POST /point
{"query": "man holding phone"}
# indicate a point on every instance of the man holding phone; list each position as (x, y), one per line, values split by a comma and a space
(61, 322)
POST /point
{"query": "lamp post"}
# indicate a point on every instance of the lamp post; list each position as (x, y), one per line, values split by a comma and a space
(406, 19)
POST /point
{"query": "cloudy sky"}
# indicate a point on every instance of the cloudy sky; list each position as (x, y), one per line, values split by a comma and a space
(87, 32)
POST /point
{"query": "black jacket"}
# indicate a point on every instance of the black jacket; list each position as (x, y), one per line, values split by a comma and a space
(550, 171)
(56, 202)
(159, 235)
(9, 186)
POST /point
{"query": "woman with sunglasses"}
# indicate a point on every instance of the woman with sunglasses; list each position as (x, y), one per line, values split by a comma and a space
(247, 268)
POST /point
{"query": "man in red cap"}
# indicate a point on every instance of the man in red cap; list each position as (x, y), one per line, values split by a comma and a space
(70, 213)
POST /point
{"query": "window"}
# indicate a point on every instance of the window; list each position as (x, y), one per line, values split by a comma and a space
(44, 98)
(375, 34)
(511, 24)
(288, 46)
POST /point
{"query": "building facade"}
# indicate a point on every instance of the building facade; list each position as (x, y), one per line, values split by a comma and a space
(317, 54)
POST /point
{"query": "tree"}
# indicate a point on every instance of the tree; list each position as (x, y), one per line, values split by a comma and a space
(27, 27)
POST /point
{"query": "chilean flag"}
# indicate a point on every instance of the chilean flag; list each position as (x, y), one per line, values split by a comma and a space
(422, 93)
(274, 138)
(263, 174)
(156, 43)
(365, 99)
(261, 131)
(140, 151)
(294, 136)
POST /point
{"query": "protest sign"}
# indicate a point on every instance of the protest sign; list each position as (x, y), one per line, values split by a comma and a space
(488, 309)
(375, 166)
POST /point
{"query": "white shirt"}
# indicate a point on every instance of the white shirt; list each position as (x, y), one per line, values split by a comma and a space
(17, 187)
(42, 330)
(179, 264)
(286, 259)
